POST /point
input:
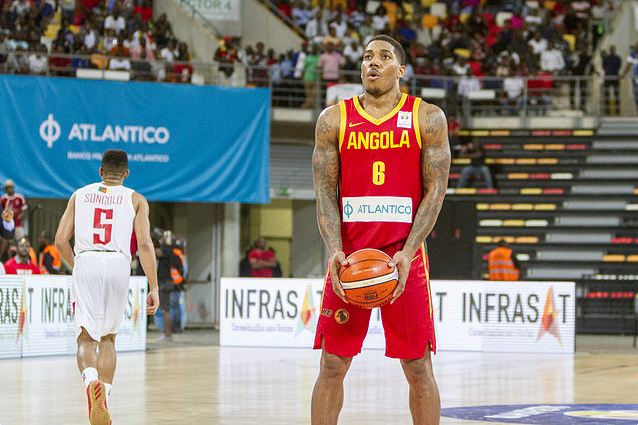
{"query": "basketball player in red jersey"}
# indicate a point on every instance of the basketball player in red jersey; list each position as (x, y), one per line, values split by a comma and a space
(380, 166)
(103, 216)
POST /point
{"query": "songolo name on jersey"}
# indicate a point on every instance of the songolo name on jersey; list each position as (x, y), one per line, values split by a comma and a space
(376, 140)
(95, 198)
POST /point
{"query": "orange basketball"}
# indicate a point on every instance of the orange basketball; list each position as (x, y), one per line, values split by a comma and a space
(367, 280)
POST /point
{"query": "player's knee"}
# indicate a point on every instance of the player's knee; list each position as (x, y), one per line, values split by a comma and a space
(417, 371)
(333, 366)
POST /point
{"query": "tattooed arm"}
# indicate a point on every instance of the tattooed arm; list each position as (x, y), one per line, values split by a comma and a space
(435, 167)
(325, 169)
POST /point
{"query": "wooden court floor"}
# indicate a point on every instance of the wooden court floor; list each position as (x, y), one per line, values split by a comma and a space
(201, 383)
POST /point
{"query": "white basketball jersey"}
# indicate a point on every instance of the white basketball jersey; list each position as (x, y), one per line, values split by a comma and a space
(104, 219)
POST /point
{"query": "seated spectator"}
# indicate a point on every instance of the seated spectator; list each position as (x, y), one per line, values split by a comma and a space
(81, 59)
(477, 168)
(169, 53)
(120, 62)
(340, 26)
(333, 39)
(142, 51)
(60, 63)
(358, 16)
(316, 28)
(301, 13)
(513, 86)
(142, 56)
(120, 45)
(538, 43)
(90, 35)
(5, 48)
(380, 19)
(183, 69)
(468, 83)
(461, 67)
(145, 9)
(552, 59)
(366, 31)
(352, 54)
(38, 62)
(115, 22)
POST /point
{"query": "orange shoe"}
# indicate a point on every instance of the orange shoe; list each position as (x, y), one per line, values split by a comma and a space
(98, 412)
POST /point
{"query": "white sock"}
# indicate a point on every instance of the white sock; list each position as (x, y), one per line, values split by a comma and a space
(108, 390)
(89, 375)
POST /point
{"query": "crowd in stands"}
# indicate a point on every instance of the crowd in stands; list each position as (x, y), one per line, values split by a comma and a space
(56, 37)
(490, 44)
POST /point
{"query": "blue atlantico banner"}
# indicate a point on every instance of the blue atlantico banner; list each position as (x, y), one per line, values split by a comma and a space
(185, 143)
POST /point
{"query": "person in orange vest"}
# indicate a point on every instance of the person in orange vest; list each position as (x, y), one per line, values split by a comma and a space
(502, 263)
(50, 261)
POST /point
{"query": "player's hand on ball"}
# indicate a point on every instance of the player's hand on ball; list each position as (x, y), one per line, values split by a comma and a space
(152, 303)
(403, 262)
(337, 260)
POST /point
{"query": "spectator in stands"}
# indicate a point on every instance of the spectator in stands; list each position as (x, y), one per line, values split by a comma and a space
(538, 43)
(477, 167)
(317, 28)
(120, 62)
(5, 47)
(331, 38)
(50, 261)
(460, 66)
(142, 50)
(301, 13)
(81, 59)
(468, 83)
(330, 64)
(352, 54)
(632, 64)
(258, 60)
(142, 57)
(532, 20)
(7, 232)
(38, 62)
(502, 263)
(310, 77)
(226, 56)
(453, 131)
(115, 21)
(380, 19)
(358, 16)
(579, 67)
(145, 9)
(340, 26)
(183, 68)
(90, 35)
(611, 65)
(59, 63)
(552, 59)
(21, 264)
(366, 31)
(513, 86)
(262, 259)
(169, 53)
(162, 31)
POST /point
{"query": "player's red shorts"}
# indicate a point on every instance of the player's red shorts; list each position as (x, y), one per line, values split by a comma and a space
(408, 323)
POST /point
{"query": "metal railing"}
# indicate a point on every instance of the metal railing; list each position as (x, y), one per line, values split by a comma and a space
(540, 95)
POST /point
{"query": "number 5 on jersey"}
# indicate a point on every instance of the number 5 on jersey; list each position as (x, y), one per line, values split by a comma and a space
(100, 227)
(378, 173)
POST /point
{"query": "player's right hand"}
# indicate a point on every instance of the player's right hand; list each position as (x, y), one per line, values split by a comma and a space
(337, 260)
(7, 213)
(152, 303)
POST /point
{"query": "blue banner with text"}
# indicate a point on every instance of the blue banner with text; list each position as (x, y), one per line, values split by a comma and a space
(184, 142)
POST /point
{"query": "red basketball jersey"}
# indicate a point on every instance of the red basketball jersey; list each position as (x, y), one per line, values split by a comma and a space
(380, 186)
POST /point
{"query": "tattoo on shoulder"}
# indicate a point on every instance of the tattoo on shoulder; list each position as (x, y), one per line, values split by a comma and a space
(434, 120)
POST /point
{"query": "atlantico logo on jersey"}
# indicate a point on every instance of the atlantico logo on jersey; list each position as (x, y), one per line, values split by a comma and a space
(50, 131)
(377, 209)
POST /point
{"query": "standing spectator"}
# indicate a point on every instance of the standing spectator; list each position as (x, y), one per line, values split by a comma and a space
(301, 13)
(340, 26)
(352, 54)
(183, 70)
(21, 263)
(6, 232)
(226, 55)
(316, 28)
(18, 205)
(611, 65)
(502, 263)
(468, 83)
(579, 67)
(50, 261)
(632, 64)
(330, 63)
(310, 77)
(145, 9)
(262, 259)
(168, 290)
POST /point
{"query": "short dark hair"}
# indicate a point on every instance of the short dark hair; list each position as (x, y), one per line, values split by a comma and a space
(115, 161)
(398, 48)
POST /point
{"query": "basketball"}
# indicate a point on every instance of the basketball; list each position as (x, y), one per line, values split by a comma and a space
(367, 280)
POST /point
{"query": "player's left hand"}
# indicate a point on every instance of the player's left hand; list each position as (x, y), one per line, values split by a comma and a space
(402, 261)
(152, 303)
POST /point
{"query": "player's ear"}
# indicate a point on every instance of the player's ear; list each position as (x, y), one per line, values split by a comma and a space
(127, 173)
(401, 72)
(101, 172)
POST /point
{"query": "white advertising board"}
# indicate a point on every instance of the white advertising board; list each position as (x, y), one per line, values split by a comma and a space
(217, 10)
(36, 316)
(468, 315)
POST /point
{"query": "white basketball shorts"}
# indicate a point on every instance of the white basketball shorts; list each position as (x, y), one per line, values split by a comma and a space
(100, 289)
